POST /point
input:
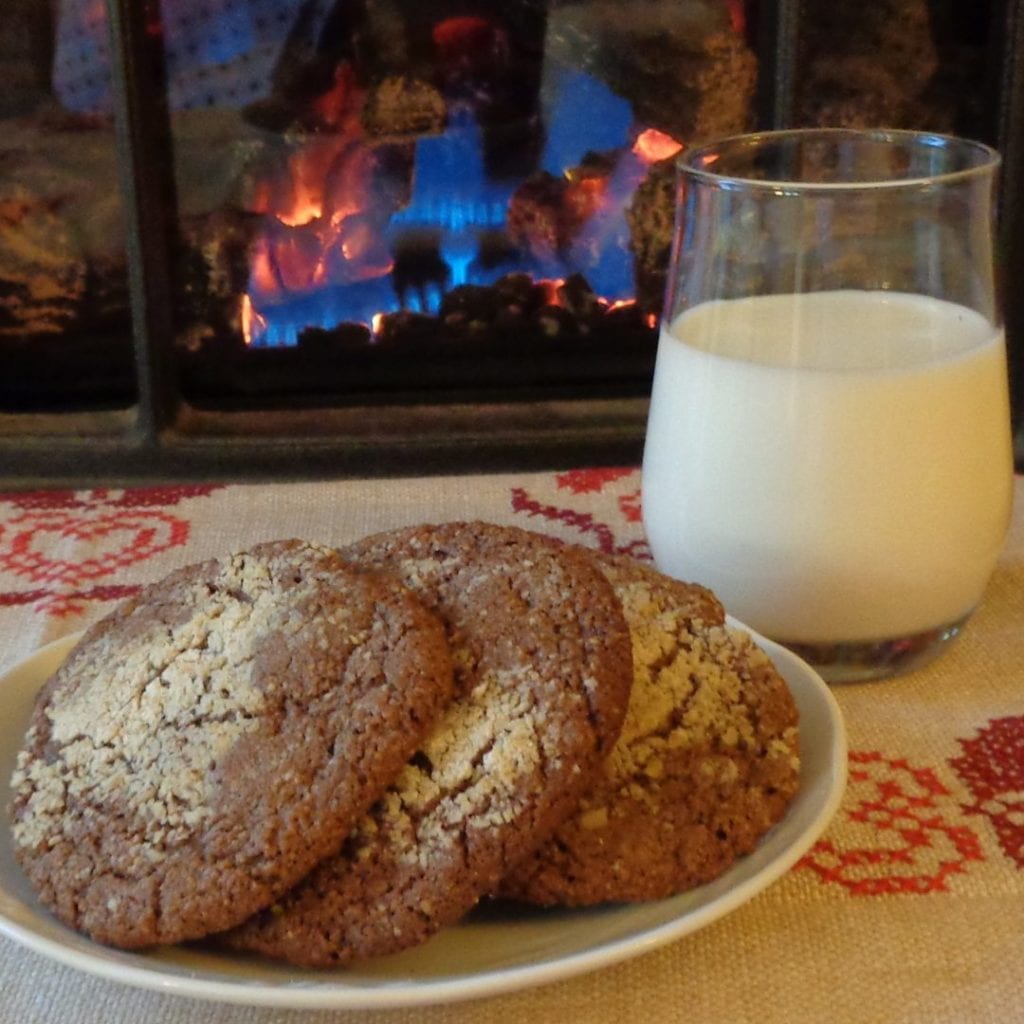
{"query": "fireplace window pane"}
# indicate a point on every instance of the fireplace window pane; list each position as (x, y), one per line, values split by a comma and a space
(65, 332)
(434, 198)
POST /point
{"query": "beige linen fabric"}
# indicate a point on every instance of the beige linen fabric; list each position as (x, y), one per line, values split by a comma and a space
(911, 909)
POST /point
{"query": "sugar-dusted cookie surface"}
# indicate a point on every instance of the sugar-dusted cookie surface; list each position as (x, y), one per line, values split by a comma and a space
(212, 739)
(543, 671)
(707, 761)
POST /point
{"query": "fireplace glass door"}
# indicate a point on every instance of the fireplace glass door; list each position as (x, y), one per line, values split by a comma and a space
(381, 196)
(257, 205)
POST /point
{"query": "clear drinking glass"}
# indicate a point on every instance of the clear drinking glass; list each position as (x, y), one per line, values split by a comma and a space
(828, 445)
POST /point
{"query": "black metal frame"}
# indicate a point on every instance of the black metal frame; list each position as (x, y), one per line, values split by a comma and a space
(161, 438)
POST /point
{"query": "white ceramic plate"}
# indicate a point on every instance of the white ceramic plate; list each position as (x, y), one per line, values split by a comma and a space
(497, 949)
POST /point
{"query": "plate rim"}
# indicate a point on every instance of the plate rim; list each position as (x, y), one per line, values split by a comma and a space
(332, 993)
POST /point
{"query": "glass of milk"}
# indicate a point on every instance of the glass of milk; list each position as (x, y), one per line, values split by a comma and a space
(828, 445)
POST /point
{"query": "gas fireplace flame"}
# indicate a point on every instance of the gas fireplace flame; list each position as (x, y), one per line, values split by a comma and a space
(356, 227)
(306, 209)
(253, 324)
(325, 215)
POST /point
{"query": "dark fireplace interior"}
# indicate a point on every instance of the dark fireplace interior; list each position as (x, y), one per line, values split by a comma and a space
(277, 235)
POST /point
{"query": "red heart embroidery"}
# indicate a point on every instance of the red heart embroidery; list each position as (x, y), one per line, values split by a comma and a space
(63, 548)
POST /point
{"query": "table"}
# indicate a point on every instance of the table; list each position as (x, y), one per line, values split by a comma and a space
(910, 908)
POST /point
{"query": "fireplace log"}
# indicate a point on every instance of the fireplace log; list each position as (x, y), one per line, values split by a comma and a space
(213, 263)
(403, 106)
(546, 212)
(537, 218)
(651, 219)
(577, 297)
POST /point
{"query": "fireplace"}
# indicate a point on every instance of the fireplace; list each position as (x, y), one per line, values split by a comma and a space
(294, 237)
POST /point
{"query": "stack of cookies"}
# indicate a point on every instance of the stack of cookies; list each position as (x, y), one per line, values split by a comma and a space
(323, 756)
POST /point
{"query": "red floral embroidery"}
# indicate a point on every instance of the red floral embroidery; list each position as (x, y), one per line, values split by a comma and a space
(162, 496)
(629, 505)
(582, 522)
(590, 481)
(604, 512)
(65, 543)
(992, 768)
(133, 497)
(903, 840)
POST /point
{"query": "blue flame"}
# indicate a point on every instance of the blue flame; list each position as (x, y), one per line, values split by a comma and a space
(450, 187)
(584, 115)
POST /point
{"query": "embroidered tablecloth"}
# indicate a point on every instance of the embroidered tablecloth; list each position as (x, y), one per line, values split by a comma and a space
(910, 907)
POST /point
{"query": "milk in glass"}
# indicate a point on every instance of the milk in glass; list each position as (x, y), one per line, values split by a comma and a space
(835, 465)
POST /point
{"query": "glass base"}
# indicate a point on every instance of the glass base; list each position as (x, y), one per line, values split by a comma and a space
(876, 659)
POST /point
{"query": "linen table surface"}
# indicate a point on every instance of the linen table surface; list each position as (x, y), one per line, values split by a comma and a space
(909, 908)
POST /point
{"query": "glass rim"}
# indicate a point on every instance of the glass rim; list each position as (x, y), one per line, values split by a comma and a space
(989, 159)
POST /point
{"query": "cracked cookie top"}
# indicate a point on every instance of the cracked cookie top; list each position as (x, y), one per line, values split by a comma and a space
(707, 761)
(542, 665)
(209, 741)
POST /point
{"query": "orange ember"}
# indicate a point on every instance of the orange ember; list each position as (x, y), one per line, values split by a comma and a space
(652, 146)
(462, 35)
(552, 290)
